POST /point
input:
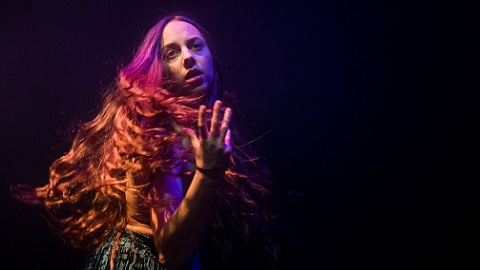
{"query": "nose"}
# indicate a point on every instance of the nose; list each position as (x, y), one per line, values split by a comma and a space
(188, 59)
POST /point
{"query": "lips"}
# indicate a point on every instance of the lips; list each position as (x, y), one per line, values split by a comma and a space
(192, 73)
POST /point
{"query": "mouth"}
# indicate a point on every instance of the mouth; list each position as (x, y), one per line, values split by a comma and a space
(192, 75)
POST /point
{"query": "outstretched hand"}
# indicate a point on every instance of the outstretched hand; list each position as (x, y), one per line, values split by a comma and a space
(212, 145)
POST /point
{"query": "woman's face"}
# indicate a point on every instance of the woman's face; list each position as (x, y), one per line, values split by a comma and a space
(188, 58)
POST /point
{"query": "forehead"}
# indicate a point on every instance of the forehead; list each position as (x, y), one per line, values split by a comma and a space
(179, 31)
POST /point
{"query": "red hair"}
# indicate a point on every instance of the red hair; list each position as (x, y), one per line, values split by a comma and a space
(132, 132)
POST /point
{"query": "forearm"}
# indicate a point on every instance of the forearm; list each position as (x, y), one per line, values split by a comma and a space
(178, 238)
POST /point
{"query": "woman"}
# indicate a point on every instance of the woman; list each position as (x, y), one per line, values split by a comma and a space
(159, 175)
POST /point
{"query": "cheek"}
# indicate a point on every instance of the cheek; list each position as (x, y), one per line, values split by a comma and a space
(208, 67)
(173, 71)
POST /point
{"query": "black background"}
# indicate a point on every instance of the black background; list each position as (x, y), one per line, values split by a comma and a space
(352, 98)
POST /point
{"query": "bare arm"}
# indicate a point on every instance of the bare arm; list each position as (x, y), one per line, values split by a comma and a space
(177, 239)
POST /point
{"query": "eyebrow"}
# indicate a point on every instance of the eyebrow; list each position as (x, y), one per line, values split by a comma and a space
(189, 40)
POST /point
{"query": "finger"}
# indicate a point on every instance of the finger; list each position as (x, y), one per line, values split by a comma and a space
(202, 126)
(214, 126)
(228, 137)
(225, 122)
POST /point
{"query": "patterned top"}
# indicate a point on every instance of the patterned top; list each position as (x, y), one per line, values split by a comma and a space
(136, 251)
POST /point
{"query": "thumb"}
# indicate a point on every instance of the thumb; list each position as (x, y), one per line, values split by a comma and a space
(191, 134)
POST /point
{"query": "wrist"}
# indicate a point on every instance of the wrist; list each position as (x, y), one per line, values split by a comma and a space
(212, 173)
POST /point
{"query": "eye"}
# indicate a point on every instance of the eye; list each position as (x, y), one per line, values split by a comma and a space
(197, 46)
(170, 54)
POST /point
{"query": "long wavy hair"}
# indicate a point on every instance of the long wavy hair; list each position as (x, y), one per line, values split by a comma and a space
(132, 133)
